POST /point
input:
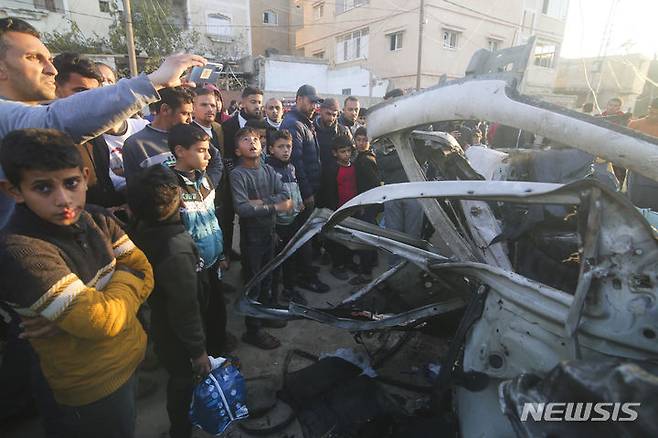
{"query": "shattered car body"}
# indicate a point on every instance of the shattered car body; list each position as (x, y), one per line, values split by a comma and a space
(525, 325)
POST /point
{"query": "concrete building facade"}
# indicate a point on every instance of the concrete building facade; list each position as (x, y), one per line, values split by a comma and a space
(622, 76)
(273, 75)
(93, 17)
(383, 37)
(223, 26)
(274, 26)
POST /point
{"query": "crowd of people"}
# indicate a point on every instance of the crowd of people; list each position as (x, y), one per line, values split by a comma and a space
(118, 228)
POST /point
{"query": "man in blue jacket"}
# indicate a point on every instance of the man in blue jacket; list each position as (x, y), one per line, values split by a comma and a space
(306, 159)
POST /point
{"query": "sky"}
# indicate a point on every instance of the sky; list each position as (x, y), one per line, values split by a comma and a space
(634, 27)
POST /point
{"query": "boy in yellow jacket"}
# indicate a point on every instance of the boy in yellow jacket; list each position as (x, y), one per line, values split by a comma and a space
(77, 270)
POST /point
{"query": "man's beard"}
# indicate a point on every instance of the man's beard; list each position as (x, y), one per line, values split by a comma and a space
(257, 115)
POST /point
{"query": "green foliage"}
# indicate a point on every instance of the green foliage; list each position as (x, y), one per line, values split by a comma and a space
(155, 32)
(75, 41)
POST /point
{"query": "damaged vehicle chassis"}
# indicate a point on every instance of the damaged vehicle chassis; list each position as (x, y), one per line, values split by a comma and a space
(513, 324)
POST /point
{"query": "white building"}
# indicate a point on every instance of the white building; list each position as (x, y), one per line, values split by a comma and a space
(274, 75)
(93, 17)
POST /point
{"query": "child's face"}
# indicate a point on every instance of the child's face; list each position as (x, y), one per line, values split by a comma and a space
(196, 157)
(282, 150)
(362, 143)
(249, 146)
(343, 155)
(56, 196)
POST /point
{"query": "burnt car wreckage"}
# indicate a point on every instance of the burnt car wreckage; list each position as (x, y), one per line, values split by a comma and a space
(553, 275)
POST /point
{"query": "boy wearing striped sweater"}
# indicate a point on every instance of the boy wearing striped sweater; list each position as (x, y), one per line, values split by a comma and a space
(77, 272)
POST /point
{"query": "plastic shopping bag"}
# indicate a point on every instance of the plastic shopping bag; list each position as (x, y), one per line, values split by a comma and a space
(219, 399)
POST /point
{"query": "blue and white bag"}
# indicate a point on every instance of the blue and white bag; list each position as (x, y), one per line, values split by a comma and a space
(219, 399)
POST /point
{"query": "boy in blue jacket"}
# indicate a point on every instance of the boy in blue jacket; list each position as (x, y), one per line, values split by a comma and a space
(191, 147)
(287, 223)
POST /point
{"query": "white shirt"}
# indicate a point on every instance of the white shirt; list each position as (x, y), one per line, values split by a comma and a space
(272, 124)
(115, 145)
(208, 130)
(241, 120)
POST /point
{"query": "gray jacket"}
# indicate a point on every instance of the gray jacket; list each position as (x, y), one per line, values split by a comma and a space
(262, 183)
(84, 115)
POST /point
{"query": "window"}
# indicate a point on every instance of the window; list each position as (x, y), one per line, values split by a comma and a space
(596, 66)
(395, 41)
(319, 55)
(50, 5)
(450, 38)
(104, 5)
(545, 55)
(219, 25)
(270, 17)
(318, 11)
(346, 92)
(493, 44)
(555, 8)
(353, 45)
(346, 5)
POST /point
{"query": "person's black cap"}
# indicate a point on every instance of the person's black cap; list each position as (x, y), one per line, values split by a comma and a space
(309, 91)
(396, 92)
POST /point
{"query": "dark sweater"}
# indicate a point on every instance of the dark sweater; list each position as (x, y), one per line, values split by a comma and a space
(367, 173)
(178, 300)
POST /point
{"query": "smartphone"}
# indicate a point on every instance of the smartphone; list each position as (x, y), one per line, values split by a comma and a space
(208, 74)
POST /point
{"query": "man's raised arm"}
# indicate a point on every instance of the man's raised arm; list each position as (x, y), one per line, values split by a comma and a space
(88, 114)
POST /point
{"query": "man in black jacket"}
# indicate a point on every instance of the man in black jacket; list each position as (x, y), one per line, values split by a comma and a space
(179, 298)
(327, 128)
(252, 108)
(306, 159)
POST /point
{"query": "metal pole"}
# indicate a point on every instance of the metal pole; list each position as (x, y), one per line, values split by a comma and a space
(130, 39)
(421, 19)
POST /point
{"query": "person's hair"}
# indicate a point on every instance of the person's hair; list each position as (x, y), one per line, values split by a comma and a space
(396, 92)
(588, 107)
(69, 62)
(282, 134)
(618, 100)
(330, 103)
(201, 91)
(185, 135)
(37, 149)
(174, 97)
(258, 123)
(155, 195)
(341, 142)
(250, 91)
(352, 98)
(112, 69)
(11, 24)
(233, 102)
(244, 131)
(361, 131)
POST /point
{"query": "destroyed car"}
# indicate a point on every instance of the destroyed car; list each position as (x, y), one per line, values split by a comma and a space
(542, 267)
